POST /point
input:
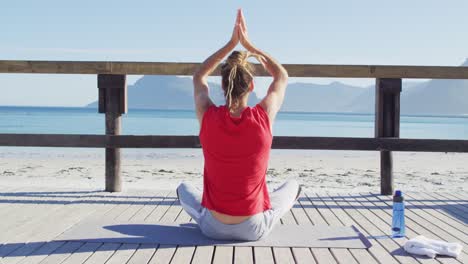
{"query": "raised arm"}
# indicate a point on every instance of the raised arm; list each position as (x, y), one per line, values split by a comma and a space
(274, 98)
(200, 83)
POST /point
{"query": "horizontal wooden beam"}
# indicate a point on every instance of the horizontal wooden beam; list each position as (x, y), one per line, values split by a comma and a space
(176, 68)
(324, 143)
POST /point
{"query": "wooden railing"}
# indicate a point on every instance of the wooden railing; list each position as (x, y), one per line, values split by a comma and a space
(113, 102)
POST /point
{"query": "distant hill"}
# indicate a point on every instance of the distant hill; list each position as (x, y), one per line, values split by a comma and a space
(309, 97)
(168, 92)
(435, 97)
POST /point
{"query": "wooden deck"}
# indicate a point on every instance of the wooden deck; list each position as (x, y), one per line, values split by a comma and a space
(31, 219)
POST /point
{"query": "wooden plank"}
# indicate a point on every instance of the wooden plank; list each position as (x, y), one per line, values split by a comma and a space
(15, 237)
(341, 255)
(374, 214)
(170, 253)
(387, 118)
(183, 255)
(114, 82)
(83, 253)
(23, 250)
(380, 228)
(123, 254)
(311, 211)
(459, 196)
(384, 220)
(179, 68)
(148, 208)
(299, 213)
(386, 172)
(203, 254)
(23, 213)
(429, 227)
(345, 214)
(432, 224)
(140, 203)
(161, 210)
(412, 228)
(288, 218)
(29, 239)
(323, 255)
(243, 255)
(315, 218)
(103, 253)
(174, 210)
(143, 254)
(283, 142)
(170, 212)
(453, 205)
(333, 255)
(32, 207)
(223, 255)
(263, 255)
(6, 206)
(122, 203)
(283, 255)
(363, 256)
(419, 201)
(324, 211)
(303, 256)
(62, 253)
(163, 254)
(183, 217)
(387, 124)
(33, 257)
(113, 121)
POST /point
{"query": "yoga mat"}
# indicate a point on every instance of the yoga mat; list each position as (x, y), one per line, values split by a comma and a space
(188, 234)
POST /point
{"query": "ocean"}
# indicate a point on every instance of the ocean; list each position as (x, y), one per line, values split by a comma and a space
(75, 120)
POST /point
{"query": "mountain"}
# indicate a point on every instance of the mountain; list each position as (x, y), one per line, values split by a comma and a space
(171, 92)
(437, 97)
(365, 102)
(309, 97)
(434, 97)
(168, 92)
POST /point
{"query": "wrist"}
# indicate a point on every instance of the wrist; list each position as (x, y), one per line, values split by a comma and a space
(250, 47)
(231, 44)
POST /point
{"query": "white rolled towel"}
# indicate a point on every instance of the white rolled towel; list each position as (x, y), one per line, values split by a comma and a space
(422, 245)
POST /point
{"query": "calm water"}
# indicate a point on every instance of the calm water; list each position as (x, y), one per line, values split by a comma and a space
(64, 120)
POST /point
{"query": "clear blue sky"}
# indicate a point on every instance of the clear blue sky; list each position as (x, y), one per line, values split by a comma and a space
(412, 32)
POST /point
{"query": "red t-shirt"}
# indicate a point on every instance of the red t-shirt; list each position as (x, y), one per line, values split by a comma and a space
(236, 151)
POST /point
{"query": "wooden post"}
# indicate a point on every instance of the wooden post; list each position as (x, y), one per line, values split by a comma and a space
(113, 102)
(387, 124)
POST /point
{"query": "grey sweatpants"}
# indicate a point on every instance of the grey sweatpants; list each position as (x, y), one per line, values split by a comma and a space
(254, 228)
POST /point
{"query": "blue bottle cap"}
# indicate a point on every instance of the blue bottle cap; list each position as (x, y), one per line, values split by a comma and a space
(398, 193)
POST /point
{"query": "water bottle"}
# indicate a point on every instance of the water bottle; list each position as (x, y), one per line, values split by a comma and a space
(398, 221)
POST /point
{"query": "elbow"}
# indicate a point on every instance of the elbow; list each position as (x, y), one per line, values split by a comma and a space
(285, 74)
(199, 77)
(282, 75)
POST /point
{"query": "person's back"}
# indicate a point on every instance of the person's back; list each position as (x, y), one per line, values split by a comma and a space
(236, 141)
(236, 151)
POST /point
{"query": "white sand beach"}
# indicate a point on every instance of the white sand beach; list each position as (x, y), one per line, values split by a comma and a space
(318, 171)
